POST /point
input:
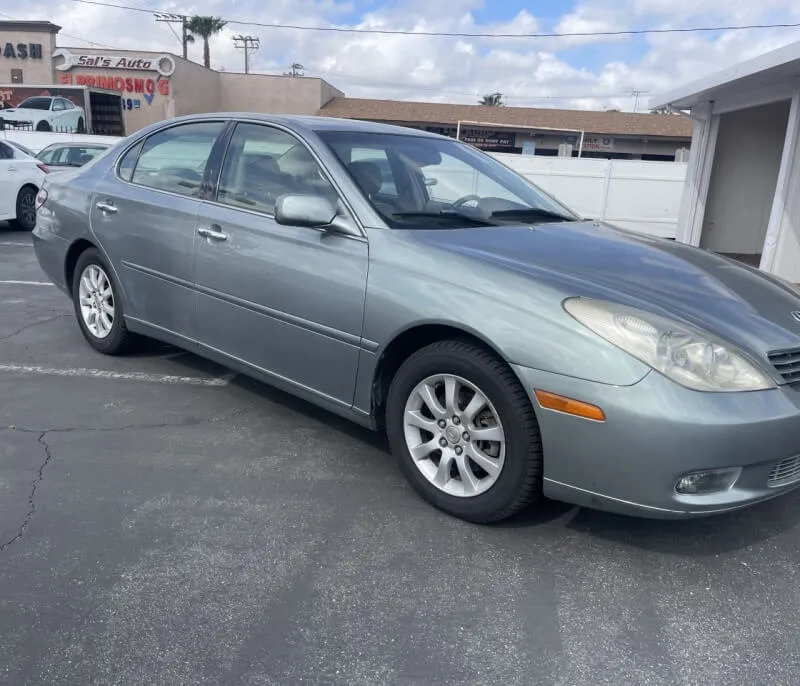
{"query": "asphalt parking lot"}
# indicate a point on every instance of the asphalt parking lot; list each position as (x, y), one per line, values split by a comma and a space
(162, 522)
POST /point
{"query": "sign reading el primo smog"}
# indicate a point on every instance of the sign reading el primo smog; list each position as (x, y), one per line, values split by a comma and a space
(164, 66)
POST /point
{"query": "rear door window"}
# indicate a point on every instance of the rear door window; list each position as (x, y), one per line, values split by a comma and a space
(174, 160)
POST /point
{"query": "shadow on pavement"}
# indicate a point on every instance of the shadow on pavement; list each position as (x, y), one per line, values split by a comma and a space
(703, 536)
(699, 537)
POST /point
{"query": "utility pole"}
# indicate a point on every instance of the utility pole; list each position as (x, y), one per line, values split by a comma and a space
(248, 44)
(296, 70)
(181, 19)
(636, 93)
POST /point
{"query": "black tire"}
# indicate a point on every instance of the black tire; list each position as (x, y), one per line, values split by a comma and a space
(43, 126)
(119, 340)
(81, 128)
(519, 482)
(25, 219)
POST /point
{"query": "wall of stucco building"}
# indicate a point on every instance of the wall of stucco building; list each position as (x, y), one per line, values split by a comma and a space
(276, 94)
(193, 89)
(36, 69)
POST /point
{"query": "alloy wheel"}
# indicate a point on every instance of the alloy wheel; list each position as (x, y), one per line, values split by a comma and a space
(96, 299)
(454, 435)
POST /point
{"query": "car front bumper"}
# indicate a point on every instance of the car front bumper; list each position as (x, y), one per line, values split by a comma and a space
(16, 123)
(656, 431)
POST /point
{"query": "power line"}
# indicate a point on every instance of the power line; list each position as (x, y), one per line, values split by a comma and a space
(393, 84)
(68, 35)
(457, 34)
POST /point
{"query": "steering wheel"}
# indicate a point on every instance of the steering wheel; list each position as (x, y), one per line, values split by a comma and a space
(463, 200)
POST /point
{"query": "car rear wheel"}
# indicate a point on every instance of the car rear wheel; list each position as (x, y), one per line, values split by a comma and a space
(464, 432)
(81, 128)
(98, 307)
(26, 209)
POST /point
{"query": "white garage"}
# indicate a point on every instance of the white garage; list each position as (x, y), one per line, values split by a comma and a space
(742, 192)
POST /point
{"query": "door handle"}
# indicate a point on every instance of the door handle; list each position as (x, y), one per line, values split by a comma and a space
(12, 169)
(213, 233)
(106, 207)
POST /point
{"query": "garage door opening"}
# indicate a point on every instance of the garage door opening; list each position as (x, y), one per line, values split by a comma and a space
(743, 180)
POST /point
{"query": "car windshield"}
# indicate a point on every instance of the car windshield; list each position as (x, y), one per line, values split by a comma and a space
(35, 104)
(417, 182)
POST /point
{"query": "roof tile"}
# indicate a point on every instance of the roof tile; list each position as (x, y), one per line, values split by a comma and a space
(590, 121)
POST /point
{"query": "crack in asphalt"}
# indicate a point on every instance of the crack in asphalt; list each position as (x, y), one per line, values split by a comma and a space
(48, 455)
(32, 325)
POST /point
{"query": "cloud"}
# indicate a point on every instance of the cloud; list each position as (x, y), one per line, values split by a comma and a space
(587, 71)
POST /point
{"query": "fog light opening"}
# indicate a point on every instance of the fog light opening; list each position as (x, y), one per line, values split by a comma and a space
(708, 481)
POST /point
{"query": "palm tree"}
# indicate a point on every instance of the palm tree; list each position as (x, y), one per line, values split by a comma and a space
(205, 27)
(492, 100)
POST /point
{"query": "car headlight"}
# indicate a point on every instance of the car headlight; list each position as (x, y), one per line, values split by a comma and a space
(688, 356)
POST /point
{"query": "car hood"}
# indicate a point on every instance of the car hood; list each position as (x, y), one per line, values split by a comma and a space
(737, 303)
(17, 113)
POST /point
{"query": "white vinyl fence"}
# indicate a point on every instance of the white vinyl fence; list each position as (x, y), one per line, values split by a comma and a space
(634, 195)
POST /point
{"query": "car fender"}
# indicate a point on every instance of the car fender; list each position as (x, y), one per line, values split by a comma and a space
(412, 284)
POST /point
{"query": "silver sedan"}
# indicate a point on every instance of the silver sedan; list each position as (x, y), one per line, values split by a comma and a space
(510, 349)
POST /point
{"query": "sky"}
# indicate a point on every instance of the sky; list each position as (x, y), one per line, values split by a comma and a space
(590, 72)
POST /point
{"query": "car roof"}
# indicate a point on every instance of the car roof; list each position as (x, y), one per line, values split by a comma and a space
(77, 144)
(313, 123)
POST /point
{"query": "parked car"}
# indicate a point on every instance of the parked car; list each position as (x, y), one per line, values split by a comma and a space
(42, 113)
(509, 349)
(21, 148)
(21, 177)
(70, 154)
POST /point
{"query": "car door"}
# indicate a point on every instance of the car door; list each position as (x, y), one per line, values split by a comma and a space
(8, 182)
(145, 215)
(57, 111)
(286, 300)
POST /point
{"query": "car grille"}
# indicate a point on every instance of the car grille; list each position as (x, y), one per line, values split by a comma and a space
(786, 363)
(785, 472)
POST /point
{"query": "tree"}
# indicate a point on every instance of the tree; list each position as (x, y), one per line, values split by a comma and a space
(205, 27)
(492, 100)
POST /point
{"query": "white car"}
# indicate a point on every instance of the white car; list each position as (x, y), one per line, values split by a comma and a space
(21, 177)
(44, 113)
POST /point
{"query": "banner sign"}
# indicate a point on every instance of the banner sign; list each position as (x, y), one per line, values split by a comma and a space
(163, 64)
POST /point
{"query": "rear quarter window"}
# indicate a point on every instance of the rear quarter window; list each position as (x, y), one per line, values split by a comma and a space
(128, 162)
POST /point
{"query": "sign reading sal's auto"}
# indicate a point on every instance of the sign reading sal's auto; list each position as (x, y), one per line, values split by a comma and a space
(147, 86)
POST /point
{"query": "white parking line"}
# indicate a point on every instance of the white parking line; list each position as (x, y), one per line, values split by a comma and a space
(127, 376)
(19, 245)
(26, 283)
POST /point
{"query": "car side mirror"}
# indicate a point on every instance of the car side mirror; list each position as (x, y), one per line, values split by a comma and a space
(314, 212)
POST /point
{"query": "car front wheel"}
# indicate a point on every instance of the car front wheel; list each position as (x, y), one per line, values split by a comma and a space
(464, 432)
(98, 307)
